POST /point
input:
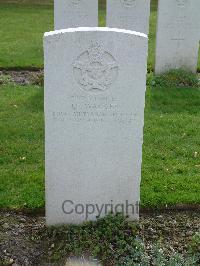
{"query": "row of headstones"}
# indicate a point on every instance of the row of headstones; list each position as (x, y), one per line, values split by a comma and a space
(178, 26)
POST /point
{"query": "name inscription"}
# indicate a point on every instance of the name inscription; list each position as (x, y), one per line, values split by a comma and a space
(94, 109)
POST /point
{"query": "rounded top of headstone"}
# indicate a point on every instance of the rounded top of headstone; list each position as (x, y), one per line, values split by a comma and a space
(92, 29)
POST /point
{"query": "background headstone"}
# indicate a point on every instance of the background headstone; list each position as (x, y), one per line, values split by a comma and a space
(177, 41)
(94, 115)
(75, 13)
(128, 14)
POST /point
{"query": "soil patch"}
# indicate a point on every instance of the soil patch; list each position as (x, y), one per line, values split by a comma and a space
(21, 242)
(24, 77)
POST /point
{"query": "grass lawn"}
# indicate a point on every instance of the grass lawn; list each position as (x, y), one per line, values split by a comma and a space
(21, 147)
(21, 31)
(171, 152)
(23, 25)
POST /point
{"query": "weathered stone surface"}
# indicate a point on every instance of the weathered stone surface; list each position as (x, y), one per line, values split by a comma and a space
(177, 35)
(75, 13)
(129, 15)
(94, 115)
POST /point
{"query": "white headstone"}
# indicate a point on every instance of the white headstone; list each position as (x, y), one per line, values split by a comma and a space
(177, 35)
(94, 115)
(75, 13)
(128, 14)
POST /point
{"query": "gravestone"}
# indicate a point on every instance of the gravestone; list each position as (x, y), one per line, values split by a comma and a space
(94, 115)
(75, 13)
(177, 35)
(128, 14)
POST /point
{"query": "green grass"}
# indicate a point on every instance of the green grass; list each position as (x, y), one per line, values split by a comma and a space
(21, 34)
(21, 147)
(23, 25)
(171, 152)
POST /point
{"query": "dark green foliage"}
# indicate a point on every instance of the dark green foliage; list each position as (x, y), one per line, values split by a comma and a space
(110, 239)
(194, 247)
(176, 79)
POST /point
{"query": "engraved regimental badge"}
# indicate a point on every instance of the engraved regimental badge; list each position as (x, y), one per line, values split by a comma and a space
(95, 69)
